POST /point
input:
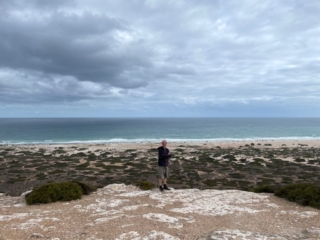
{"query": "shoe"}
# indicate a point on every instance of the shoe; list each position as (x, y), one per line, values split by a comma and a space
(161, 188)
(165, 187)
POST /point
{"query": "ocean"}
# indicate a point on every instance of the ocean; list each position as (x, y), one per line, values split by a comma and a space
(103, 130)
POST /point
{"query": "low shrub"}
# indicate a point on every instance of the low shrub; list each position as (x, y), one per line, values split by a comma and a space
(236, 175)
(179, 150)
(306, 194)
(259, 160)
(211, 182)
(264, 189)
(92, 157)
(82, 166)
(313, 161)
(299, 160)
(145, 185)
(153, 150)
(86, 188)
(59, 151)
(79, 154)
(229, 157)
(232, 183)
(53, 192)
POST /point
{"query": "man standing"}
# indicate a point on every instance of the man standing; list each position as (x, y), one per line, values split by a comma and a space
(163, 162)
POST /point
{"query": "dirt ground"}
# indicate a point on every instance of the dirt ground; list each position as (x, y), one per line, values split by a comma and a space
(120, 211)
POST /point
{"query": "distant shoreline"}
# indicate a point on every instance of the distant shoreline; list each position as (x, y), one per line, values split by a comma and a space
(176, 141)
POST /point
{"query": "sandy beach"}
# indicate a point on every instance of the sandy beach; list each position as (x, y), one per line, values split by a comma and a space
(171, 145)
(145, 146)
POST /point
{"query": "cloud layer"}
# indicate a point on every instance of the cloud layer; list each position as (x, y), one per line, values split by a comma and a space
(160, 58)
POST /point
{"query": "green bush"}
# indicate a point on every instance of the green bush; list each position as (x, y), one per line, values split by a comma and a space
(59, 151)
(299, 160)
(82, 166)
(229, 157)
(306, 194)
(79, 154)
(179, 150)
(264, 189)
(236, 175)
(92, 157)
(53, 192)
(153, 150)
(211, 182)
(86, 188)
(145, 185)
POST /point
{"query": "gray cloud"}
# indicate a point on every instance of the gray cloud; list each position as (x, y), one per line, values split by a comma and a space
(187, 54)
(81, 46)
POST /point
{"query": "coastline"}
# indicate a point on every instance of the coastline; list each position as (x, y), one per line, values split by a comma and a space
(174, 144)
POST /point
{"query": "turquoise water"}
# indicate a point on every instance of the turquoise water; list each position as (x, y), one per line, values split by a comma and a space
(100, 130)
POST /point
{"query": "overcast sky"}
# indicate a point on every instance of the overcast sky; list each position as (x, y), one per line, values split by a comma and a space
(159, 58)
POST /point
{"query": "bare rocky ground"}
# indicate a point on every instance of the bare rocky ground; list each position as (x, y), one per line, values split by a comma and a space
(120, 211)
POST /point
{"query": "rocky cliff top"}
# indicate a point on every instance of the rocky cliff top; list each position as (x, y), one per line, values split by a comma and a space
(121, 211)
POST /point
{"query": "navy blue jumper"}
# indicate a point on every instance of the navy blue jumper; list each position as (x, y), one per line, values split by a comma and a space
(163, 157)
